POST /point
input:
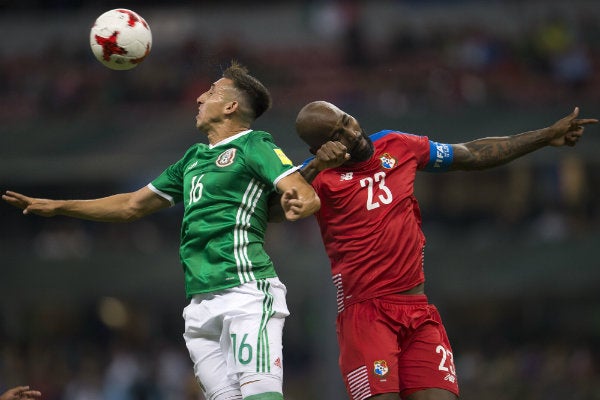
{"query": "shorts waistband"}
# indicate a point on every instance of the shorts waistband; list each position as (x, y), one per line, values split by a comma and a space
(405, 298)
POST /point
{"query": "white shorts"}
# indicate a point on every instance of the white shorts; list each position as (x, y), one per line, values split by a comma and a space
(234, 335)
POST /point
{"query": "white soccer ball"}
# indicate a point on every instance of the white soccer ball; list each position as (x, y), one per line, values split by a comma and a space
(120, 39)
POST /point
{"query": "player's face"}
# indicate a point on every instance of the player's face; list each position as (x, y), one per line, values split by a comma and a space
(348, 131)
(212, 104)
(320, 122)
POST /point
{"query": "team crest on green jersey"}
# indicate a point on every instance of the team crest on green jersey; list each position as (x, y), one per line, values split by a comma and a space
(225, 158)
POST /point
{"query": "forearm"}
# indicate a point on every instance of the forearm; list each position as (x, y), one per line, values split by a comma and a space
(331, 154)
(494, 151)
(116, 208)
(277, 212)
(298, 199)
(311, 204)
(310, 171)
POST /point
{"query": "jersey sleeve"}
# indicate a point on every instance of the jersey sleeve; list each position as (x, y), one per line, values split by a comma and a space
(431, 156)
(169, 184)
(268, 161)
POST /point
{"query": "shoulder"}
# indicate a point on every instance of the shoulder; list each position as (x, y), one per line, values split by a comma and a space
(192, 152)
(195, 148)
(398, 138)
(389, 134)
(256, 140)
(259, 136)
(384, 134)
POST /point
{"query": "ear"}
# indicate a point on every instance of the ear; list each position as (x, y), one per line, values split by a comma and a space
(231, 107)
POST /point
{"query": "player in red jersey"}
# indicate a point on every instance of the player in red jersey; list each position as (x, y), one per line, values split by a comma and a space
(392, 340)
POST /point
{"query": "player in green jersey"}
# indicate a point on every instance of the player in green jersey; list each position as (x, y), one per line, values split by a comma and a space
(234, 322)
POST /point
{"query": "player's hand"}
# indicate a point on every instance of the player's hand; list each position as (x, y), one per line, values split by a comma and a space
(292, 204)
(20, 393)
(568, 130)
(31, 205)
(331, 155)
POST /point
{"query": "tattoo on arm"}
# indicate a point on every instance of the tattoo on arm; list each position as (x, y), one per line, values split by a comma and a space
(494, 151)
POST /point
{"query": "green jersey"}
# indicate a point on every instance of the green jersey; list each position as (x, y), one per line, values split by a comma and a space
(225, 190)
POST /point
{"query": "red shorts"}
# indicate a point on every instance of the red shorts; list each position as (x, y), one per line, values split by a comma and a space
(394, 344)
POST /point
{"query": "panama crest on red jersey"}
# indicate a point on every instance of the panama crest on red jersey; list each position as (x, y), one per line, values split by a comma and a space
(388, 161)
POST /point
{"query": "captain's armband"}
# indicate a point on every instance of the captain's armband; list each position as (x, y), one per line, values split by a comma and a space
(440, 157)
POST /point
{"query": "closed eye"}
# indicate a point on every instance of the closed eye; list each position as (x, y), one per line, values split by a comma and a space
(211, 90)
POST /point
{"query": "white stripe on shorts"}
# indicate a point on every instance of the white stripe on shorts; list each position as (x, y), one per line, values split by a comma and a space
(358, 382)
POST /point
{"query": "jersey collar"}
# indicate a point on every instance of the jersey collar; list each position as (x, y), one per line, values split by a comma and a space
(229, 139)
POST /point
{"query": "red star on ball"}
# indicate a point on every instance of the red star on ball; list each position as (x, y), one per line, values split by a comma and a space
(109, 45)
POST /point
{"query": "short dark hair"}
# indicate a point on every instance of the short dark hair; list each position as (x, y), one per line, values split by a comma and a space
(255, 92)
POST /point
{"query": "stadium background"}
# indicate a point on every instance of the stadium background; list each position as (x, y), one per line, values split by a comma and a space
(93, 311)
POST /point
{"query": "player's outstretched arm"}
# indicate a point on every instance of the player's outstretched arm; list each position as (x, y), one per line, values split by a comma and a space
(121, 207)
(298, 199)
(20, 393)
(493, 151)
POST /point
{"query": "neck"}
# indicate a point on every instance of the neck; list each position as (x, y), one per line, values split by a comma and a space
(218, 133)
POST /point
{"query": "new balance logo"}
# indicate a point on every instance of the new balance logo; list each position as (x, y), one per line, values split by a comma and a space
(347, 176)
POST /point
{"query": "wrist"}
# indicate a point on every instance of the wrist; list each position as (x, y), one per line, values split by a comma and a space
(60, 207)
(548, 135)
(320, 167)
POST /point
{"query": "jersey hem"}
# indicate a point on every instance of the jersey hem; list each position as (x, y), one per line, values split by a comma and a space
(396, 293)
(192, 293)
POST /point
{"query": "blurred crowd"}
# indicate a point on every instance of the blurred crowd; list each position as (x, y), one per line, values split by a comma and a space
(117, 349)
(82, 354)
(542, 62)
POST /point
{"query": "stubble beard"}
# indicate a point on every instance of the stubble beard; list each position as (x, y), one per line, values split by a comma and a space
(364, 153)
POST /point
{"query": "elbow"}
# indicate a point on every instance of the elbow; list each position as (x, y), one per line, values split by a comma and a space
(131, 214)
(126, 216)
(131, 217)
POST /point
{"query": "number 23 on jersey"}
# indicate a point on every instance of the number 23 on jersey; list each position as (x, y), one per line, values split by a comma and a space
(377, 192)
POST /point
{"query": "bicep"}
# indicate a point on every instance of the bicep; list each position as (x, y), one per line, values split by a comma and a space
(145, 201)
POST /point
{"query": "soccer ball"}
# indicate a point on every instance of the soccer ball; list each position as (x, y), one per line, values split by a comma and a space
(120, 39)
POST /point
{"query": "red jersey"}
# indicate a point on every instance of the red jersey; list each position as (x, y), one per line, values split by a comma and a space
(370, 220)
